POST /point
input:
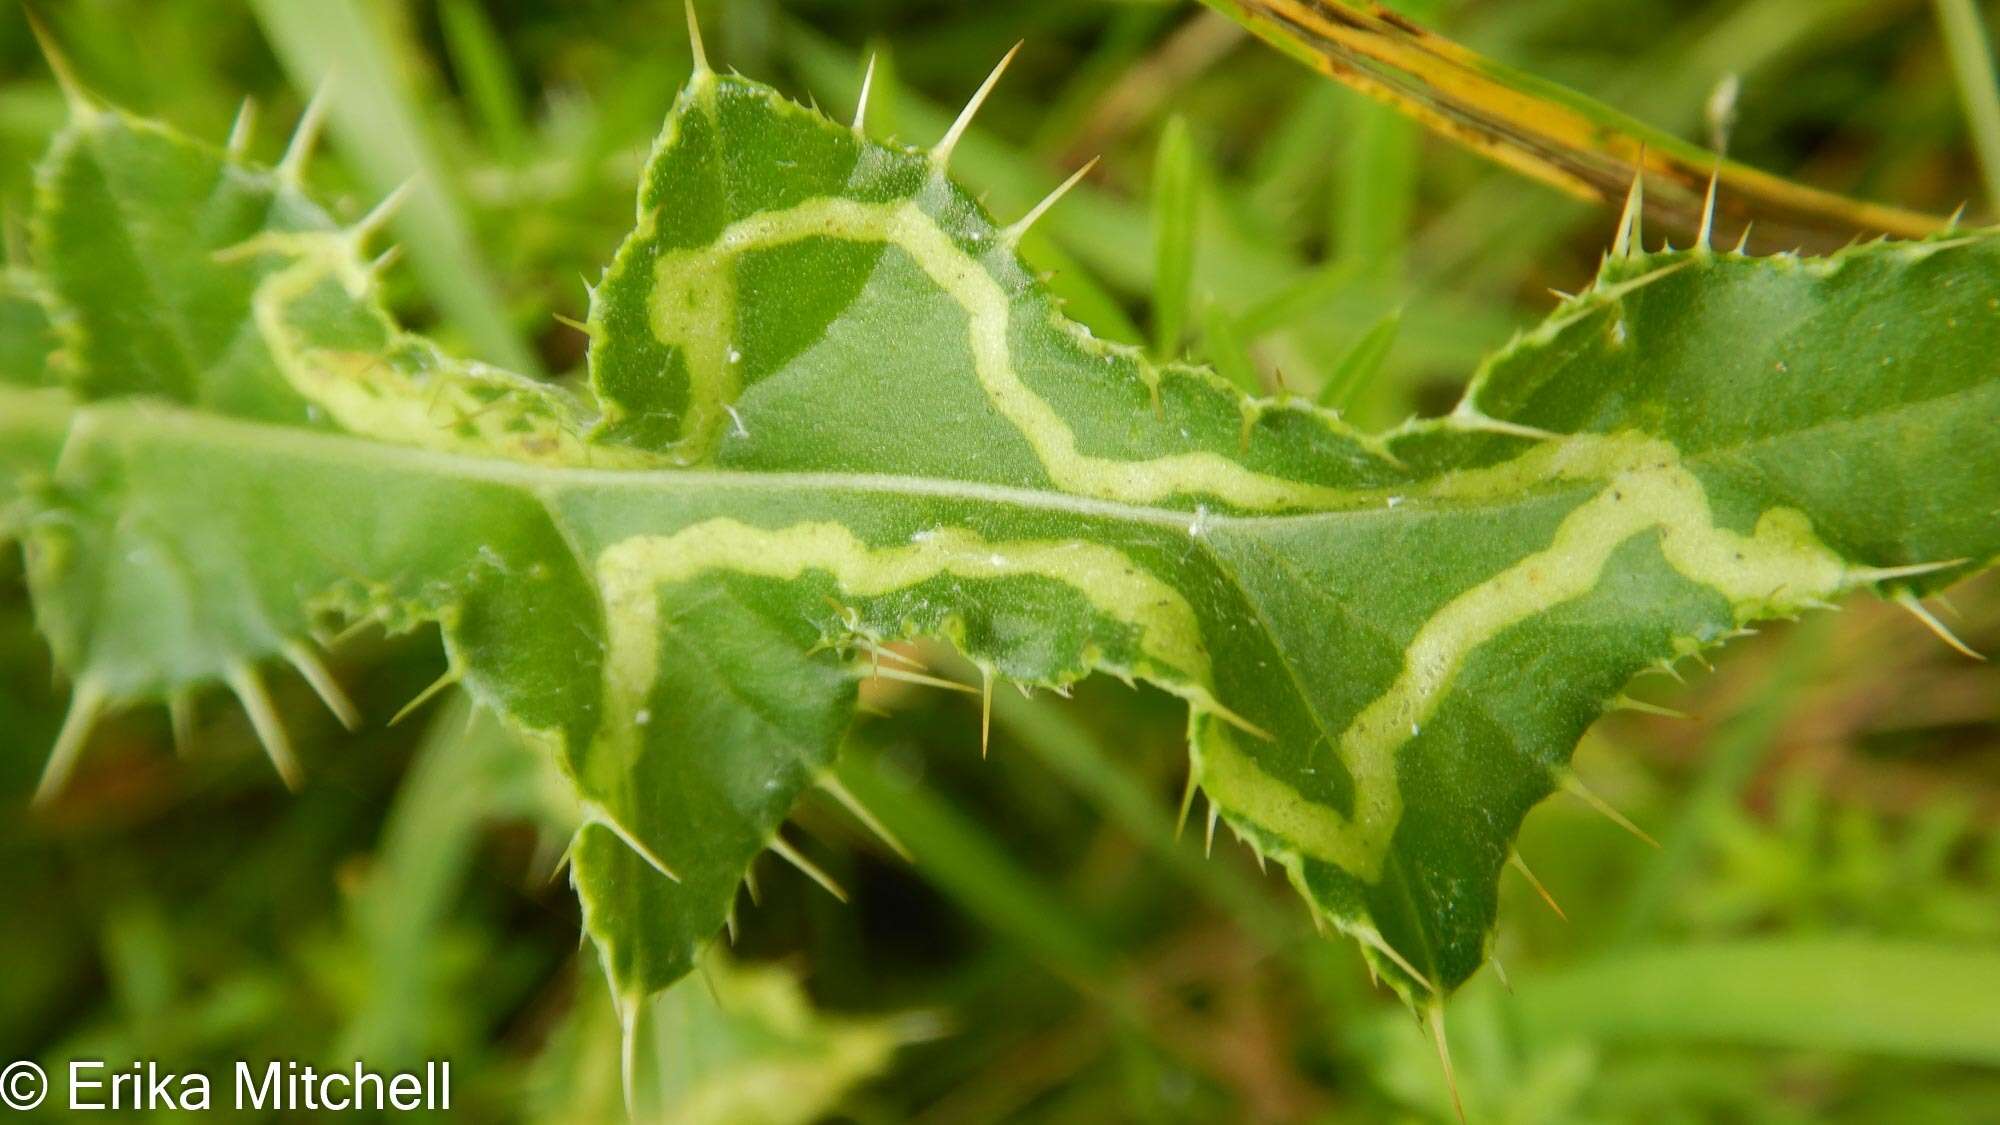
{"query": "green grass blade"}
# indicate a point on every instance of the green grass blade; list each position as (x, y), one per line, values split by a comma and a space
(1176, 208)
(479, 59)
(1222, 341)
(1376, 191)
(1362, 362)
(1829, 994)
(1971, 53)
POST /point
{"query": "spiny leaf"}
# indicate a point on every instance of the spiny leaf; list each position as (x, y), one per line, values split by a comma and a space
(831, 409)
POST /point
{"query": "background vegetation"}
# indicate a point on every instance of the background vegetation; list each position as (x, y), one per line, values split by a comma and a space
(1818, 938)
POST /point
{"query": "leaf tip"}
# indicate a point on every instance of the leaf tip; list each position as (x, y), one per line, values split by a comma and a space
(248, 686)
(695, 44)
(180, 719)
(305, 135)
(1515, 861)
(941, 155)
(1623, 702)
(1434, 1016)
(866, 816)
(1187, 804)
(985, 711)
(242, 129)
(1373, 939)
(1631, 223)
(81, 105)
(450, 677)
(1575, 787)
(1706, 236)
(1931, 621)
(86, 706)
(594, 812)
(316, 674)
(813, 871)
(1019, 230)
(382, 214)
(861, 102)
(1468, 417)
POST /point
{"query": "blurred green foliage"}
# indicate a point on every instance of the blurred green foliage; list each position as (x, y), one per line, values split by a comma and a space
(1818, 938)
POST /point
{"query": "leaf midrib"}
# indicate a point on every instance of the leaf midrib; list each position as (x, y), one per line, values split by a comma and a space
(58, 411)
(141, 422)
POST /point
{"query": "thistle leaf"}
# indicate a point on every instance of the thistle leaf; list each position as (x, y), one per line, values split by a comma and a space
(831, 409)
